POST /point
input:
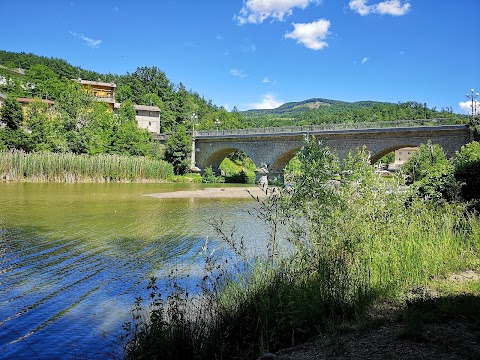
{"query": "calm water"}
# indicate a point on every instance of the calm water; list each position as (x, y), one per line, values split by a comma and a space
(73, 258)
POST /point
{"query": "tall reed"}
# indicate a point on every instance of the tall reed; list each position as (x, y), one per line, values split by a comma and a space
(68, 167)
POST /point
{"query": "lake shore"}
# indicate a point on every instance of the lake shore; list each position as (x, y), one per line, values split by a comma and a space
(212, 193)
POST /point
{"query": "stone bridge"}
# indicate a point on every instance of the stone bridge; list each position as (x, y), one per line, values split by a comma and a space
(277, 146)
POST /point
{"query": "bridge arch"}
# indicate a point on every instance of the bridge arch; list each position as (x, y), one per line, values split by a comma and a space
(215, 159)
(281, 162)
(378, 155)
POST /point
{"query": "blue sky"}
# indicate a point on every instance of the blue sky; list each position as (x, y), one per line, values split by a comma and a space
(262, 53)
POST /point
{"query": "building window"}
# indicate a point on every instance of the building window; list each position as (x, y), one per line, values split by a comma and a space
(400, 153)
(149, 123)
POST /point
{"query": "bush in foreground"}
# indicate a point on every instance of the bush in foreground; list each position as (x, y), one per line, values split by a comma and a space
(335, 248)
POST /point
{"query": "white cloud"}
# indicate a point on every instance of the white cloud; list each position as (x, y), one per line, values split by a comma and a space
(360, 6)
(311, 34)
(388, 7)
(257, 11)
(238, 73)
(402, 52)
(116, 8)
(466, 106)
(266, 80)
(364, 60)
(89, 42)
(268, 102)
(392, 7)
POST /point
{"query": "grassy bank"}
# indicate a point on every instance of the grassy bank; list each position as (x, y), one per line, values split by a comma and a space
(336, 251)
(68, 167)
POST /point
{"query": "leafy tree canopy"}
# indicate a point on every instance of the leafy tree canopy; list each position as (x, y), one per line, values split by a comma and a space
(11, 113)
(177, 150)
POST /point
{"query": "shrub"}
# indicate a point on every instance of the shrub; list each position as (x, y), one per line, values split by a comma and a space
(432, 174)
(209, 176)
(467, 170)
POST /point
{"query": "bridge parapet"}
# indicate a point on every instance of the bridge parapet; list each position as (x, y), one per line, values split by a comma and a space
(325, 127)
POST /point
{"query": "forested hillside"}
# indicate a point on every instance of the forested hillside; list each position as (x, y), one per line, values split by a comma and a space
(49, 78)
(324, 111)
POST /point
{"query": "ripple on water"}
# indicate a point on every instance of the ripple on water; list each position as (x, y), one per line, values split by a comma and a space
(71, 264)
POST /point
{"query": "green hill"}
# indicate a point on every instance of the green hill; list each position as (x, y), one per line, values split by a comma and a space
(326, 111)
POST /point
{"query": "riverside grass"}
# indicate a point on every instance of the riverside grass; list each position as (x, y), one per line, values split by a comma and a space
(349, 247)
(68, 167)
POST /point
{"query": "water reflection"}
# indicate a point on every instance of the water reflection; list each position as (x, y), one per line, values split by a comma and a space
(75, 256)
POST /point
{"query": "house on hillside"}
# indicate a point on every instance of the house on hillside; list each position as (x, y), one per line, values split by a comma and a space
(103, 91)
(24, 102)
(147, 117)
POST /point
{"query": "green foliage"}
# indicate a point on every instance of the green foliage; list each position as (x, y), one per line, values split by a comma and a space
(317, 165)
(467, 170)
(388, 159)
(59, 66)
(209, 176)
(128, 138)
(73, 105)
(47, 84)
(96, 136)
(15, 139)
(126, 113)
(240, 170)
(11, 113)
(432, 174)
(178, 149)
(47, 133)
(239, 178)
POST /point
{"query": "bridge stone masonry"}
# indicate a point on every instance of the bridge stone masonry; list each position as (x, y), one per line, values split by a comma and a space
(277, 146)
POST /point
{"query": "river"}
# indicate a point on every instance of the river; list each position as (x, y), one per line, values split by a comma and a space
(73, 258)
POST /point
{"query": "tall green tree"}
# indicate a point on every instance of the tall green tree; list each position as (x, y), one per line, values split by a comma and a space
(46, 84)
(73, 103)
(178, 149)
(47, 133)
(128, 138)
(97, 135)
(11, 113)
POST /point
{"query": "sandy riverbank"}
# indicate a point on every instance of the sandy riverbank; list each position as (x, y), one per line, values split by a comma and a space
(225, 193)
